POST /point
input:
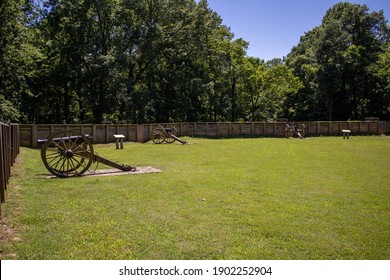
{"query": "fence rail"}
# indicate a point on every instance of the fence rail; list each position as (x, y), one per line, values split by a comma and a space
(104, 133)
(9, 149)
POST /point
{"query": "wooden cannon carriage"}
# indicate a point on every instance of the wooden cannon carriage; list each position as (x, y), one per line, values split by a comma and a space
(292, 130)
(165, 134)
(69, 153)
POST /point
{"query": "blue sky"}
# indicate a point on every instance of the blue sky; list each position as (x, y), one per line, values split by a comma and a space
(273, 27)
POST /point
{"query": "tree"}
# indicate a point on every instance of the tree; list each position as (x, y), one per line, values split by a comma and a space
(267, 88)
(12, 31)
(333, 61)
(379, 104)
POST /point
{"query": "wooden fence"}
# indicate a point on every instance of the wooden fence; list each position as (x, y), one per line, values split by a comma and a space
(104, 133)
(269, 129)
(9, 149)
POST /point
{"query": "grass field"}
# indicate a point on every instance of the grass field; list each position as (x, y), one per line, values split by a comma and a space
(318, 198)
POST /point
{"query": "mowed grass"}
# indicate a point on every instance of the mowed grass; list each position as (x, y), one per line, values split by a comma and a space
(318, 198)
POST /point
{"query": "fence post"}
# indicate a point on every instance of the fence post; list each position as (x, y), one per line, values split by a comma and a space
(128, 135)
(8, 152)
(381, 127)
(106, 135)
(34, 135)
(140, 133)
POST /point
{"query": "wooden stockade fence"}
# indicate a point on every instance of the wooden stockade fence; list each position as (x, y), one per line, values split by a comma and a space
(268, 129)
(9, 149)
(104, 133)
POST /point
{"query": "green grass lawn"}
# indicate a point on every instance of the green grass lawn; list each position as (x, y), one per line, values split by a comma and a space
(318, 198)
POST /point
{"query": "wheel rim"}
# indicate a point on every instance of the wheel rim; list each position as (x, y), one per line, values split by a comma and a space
(66, 156)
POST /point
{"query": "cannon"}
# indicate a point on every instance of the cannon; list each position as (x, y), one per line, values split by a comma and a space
(165, 134)
(294, 130)
(69, 153)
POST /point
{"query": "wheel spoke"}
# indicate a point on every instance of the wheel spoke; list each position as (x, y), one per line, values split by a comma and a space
(58, 146)
(78, 163)
(62, 166)
(82, 147)
(54, 167)
(58, 158)
(67, 165)
(53, 155)
(64, 143)
(77, 148)
(74, 143)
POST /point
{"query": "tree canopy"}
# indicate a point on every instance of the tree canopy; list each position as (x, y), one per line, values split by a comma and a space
(140, 61)
(338, 64)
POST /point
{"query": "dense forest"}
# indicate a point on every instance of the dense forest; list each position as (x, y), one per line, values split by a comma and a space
(141, 61)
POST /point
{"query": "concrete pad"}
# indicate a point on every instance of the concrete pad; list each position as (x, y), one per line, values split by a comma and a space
(116, 172)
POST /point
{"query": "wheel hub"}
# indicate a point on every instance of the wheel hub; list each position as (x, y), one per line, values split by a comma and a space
(68, 153)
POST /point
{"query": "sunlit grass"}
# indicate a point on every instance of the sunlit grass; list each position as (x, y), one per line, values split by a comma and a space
(318, 198)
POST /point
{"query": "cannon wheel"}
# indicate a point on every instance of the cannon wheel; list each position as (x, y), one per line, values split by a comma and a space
(158, 136)
(169, 139)
(67, 157)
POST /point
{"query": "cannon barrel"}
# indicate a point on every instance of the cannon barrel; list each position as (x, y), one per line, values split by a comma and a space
(73, 138)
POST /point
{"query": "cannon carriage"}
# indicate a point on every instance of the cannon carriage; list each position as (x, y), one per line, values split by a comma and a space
(69, 153)
(165, 134)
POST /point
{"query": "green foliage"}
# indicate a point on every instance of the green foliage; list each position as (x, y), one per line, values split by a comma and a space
(381, 70)
(18, 58)
(335, 63)
(8, 113)
(83, 61)
(322, 198)
(270, 86)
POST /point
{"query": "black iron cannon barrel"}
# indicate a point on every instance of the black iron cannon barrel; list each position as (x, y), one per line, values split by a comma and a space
(66, 138)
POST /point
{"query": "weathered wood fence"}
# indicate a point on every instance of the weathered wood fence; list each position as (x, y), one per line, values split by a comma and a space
(104, 133)
(9, 149)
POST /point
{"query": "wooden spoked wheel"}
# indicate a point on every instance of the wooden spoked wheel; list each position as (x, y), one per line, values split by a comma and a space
(158, 136)
(67, 153)
(168, 138)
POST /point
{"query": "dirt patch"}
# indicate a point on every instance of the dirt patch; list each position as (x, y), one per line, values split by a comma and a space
(7, 235)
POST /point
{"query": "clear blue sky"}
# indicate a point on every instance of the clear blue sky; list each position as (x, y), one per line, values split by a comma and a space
(273, 27)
